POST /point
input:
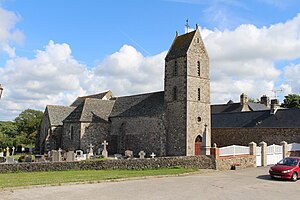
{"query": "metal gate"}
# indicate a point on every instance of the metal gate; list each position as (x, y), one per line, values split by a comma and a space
(274, 154)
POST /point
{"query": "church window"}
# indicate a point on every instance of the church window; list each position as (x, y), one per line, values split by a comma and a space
(175, 93)
(175, 69)
(198, 94)
(198, 68)
(198, 40)
(72, 133)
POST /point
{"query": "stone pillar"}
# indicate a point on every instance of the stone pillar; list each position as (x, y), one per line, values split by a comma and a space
(263, 146)
(206, 141)
(284, 148)
(214, 151)
(252, 148)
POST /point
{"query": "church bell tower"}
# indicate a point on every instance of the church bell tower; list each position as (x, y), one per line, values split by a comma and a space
(187, 96)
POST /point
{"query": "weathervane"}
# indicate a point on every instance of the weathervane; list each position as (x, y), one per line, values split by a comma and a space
(187, 26)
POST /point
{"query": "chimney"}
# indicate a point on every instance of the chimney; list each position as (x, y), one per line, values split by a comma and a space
(243, 99)
(244, 102)
(274, 106)
(265, 100)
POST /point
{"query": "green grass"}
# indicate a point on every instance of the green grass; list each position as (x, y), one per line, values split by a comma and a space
(21, 179)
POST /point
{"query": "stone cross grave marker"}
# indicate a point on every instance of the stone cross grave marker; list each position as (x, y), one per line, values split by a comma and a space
(104, 152)
(13, 151)
(91, 151)
(142, 154)
(152, 155)
(7, 151)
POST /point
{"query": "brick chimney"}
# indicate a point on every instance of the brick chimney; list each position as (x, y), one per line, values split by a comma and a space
(274, 106)
(265, 100)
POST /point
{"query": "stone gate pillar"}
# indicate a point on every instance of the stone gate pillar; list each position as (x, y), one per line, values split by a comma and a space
(284, 148)
(252, 148)
(263, 146)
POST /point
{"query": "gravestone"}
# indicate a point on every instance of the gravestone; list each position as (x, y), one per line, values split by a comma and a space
(1, 154)
(13, 151)
(128, 154)
(7, 151)
(70, 156)
(91, 151)
(10, 160)
(2, 159)
(104, 152)
(56, 156)
(118, 156)
(142, 154)
(79, 155)
(28, 159)
(39, 158)
(152, 155)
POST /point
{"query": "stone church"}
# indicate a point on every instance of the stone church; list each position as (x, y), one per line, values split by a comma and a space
(173, 122)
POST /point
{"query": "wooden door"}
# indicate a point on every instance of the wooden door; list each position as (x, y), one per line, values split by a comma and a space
(198, 142)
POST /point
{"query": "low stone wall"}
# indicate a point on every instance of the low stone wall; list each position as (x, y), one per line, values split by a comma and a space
(199, 162)
(225, 163)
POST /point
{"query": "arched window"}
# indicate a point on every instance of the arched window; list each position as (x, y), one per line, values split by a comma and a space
(175, 68)
(198, 68)
(198, 94)
(175, 93)
(71, 132)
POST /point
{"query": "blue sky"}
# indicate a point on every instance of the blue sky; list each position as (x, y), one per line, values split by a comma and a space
(52, 51)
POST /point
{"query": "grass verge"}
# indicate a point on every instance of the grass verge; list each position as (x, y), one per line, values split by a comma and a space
(21, 179)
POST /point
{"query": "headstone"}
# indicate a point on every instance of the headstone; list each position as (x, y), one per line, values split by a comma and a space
(2, 159)
(70, 156)
(13, 151)
(10, 160)
(59, 155)
(118, 156)
(1, 154)
(142, 154)
(55, 157)
(39, 158)
(7, 151)
(128, 154)
(91, 151)
(152, 155)
(79, 155)
(28, 159)
(104, 152)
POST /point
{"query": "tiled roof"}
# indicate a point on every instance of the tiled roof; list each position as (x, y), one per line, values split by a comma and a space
(283, 118)
(79, 100)
(91, 110)
(58, 113)
(180, 45)
(236, 107)
(139, 105)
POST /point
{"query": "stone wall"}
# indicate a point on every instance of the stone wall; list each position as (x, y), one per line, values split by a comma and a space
(225, 163)
(199, 162)
(139, 133)
(243, 136)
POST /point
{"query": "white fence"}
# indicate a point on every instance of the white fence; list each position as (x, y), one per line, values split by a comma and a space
(274, 152)
(233, 150)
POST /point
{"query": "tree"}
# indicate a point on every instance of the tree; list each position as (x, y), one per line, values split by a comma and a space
(291, 101)
(27, 124)
(253, 100)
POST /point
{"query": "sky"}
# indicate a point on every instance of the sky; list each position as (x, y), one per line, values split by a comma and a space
(53, 51)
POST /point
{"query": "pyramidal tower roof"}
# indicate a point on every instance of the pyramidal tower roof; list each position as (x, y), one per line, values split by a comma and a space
(181, 45)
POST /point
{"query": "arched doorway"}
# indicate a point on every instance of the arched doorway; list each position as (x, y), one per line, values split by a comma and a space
(198, 142)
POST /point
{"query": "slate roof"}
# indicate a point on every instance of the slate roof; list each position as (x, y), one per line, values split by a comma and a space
(283, 118)
(139, 105)
(58, 113)
(236, 107)
(79, 100)
(91, 110)
(180, 45)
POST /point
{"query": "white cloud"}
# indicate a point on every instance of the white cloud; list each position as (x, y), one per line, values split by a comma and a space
(8, 33)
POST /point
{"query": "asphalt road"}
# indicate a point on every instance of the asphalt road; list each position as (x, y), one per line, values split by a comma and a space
(243, 184)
